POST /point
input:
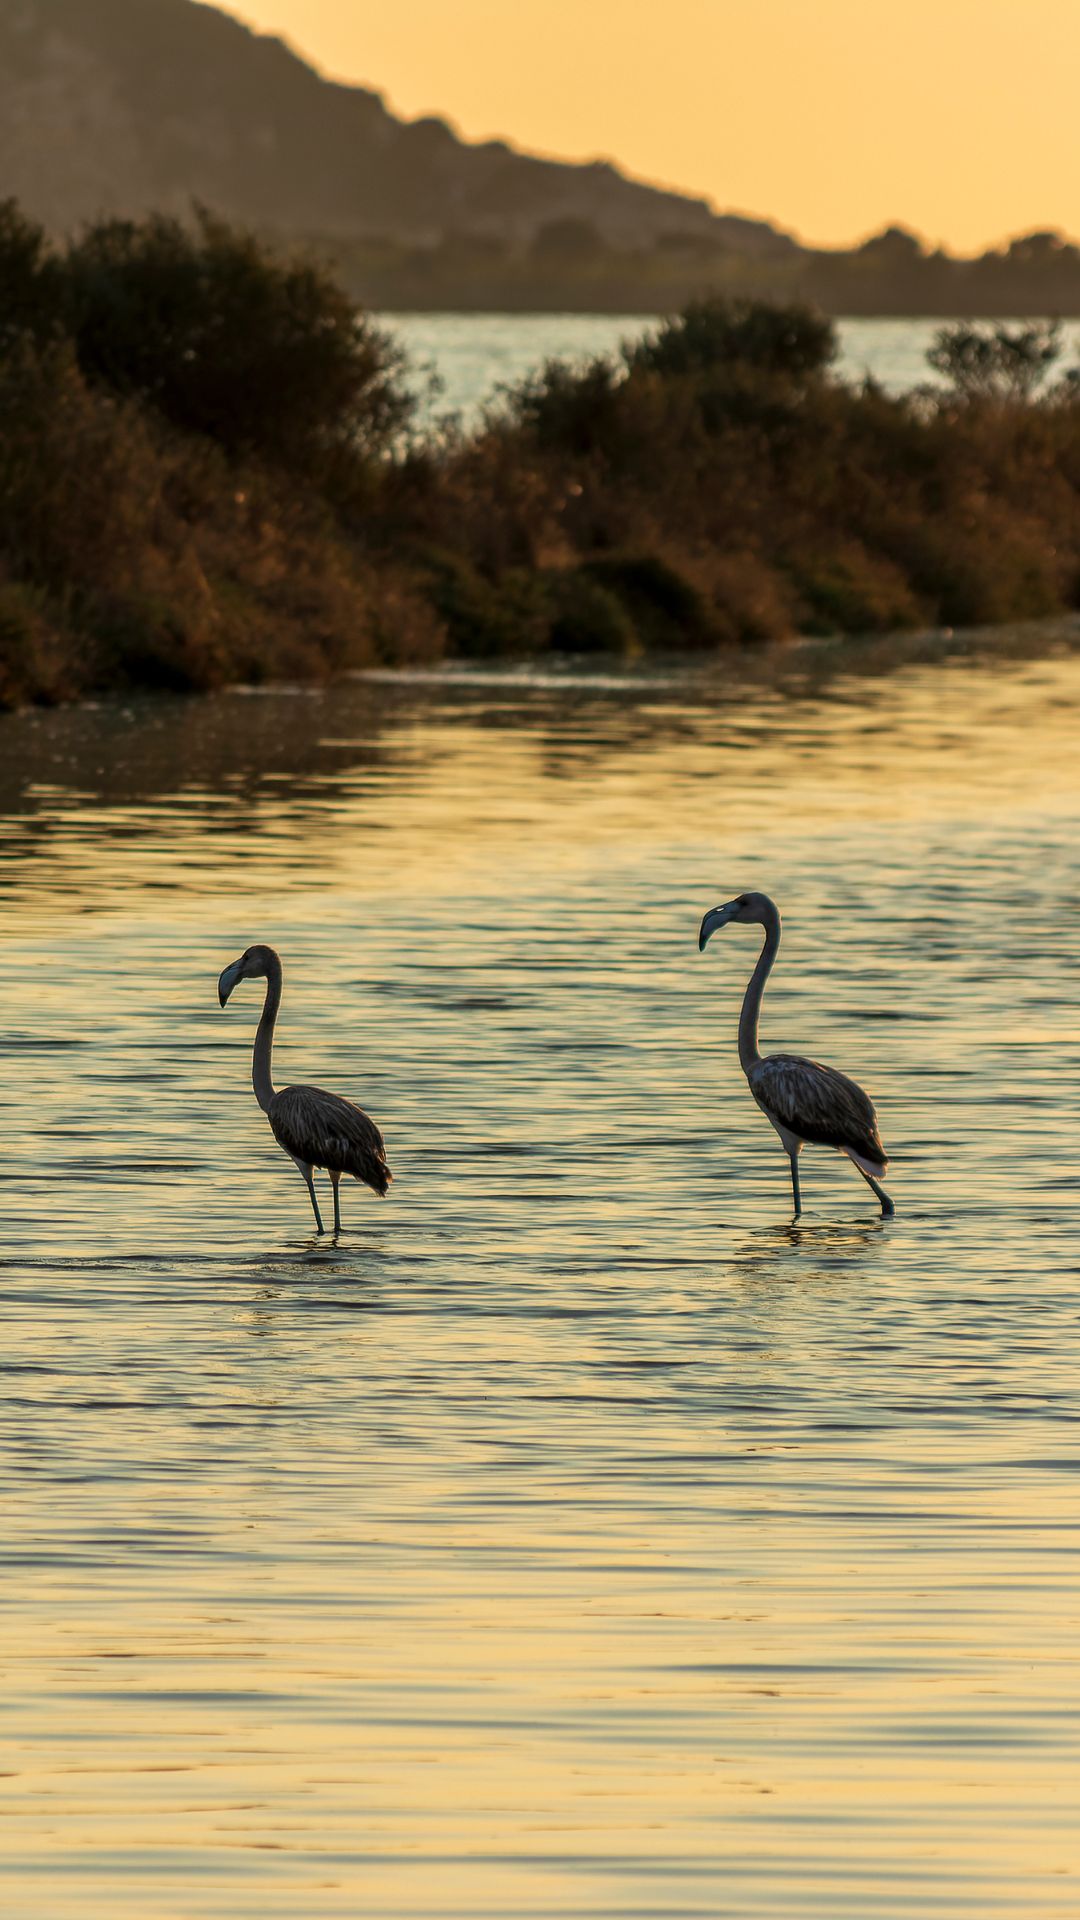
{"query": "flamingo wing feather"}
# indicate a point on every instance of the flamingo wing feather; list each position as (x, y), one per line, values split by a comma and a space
(819, 1105)
(323, 1130)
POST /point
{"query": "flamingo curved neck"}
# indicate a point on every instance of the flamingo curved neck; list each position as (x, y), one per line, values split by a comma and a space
(749, 1051)
(262, 1058)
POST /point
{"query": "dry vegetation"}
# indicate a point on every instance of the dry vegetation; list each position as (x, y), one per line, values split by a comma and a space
(207, 475)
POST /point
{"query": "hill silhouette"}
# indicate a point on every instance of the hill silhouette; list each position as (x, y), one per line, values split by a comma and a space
(132, 106)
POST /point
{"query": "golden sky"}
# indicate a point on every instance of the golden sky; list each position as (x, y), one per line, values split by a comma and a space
(956, 117)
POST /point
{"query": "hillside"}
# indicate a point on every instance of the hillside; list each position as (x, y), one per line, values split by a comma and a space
(126, 107)
(123, 106)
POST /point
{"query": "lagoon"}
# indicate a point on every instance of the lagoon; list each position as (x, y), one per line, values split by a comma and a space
(576, 1535)
(473, 354)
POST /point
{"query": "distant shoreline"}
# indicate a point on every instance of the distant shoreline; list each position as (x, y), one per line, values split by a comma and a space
(571, 268)
(800, 664)
(931, 316)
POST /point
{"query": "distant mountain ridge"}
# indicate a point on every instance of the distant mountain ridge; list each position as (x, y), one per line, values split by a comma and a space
(127, 106)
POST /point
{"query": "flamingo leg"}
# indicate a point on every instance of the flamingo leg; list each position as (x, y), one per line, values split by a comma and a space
(795, 1182)
(887, 1208)
(335, 1179)
(310, 1184)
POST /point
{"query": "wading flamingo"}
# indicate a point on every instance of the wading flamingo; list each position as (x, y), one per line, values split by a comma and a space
(316, 1129)
(804, 1101)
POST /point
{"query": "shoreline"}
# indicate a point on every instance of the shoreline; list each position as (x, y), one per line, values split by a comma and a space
(197, 499)
(787, 665)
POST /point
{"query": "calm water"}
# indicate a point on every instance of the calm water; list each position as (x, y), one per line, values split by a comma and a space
(474, 353)
(575, 1537)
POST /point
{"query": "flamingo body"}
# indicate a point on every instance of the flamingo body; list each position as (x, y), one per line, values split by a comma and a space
(327, 1131)
(805, 1101)
(819, 1105)
(315, 1128)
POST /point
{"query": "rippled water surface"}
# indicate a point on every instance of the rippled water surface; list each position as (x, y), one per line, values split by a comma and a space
(575, 1536)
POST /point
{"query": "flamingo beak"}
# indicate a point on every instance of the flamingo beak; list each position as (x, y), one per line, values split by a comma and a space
(229, 979)
(716, 918)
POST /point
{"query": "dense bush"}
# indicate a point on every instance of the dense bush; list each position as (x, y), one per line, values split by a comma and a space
(586, 617)
(133, 556)
(722, 484)
(998, 361)
(184, 421)
(203, 477)
(794, 342)
(666, 609)
(265, 355)
(31, 293)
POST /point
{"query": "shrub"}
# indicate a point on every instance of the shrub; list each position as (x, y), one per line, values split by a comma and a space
(793, 341)
(265, 355)
(189, 425)
(573, 410)
(157, 641)
(996, 362)
(848, 590)
(403, 625)
(752, 601)
(482, 617)
(79, 480)
(665, 609)
(31, 654)
(131, 555)
(586, 617)
(720, 489)
(30, 291)
(972, 575)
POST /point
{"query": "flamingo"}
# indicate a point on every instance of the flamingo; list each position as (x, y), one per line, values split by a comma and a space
(316, 1129)
(804, 1100)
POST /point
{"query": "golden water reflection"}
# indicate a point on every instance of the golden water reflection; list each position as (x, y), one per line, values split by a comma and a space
(576, 1535)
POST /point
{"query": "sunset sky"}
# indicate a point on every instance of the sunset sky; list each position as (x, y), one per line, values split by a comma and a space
(955, 117)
